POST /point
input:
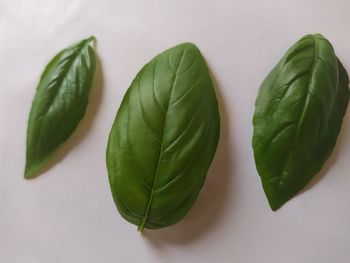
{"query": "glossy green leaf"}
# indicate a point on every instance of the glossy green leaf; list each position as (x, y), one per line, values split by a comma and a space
(59, 103)
(298, 115)
(163, 139)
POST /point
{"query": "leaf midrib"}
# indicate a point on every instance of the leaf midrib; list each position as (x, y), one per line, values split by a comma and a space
(304, 108)
(144, 220)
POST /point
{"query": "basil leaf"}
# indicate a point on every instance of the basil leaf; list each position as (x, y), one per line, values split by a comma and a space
(298, 115)
(163, 139)
(59, 103)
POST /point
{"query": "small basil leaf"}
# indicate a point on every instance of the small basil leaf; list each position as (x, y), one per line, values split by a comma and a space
(163, 139)
(298, 115)
(59, 103)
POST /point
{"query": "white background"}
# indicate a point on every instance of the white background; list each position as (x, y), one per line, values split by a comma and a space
(67, 214)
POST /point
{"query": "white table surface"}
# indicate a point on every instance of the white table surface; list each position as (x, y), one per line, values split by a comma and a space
(68, 215)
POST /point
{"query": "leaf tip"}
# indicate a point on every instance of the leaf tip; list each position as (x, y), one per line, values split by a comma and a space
(318, 35)
(91, 40)
(276, 204)
(190, 45)
(274, 208)
(31, 171)
(28, 174)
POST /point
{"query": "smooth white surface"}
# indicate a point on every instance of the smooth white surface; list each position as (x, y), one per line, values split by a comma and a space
(68, 215)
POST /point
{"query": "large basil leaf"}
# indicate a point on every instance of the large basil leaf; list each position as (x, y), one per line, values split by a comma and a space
(298, 115)
(59, 103)
(163, 139)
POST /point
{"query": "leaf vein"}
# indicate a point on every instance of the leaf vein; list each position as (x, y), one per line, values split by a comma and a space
(187, 126)
(144, 115)
(179, 175)
(154, 89)
(187, 91)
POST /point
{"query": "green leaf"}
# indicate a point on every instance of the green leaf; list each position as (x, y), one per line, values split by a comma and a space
(298, 115)
(59, 103)
(163, 139)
